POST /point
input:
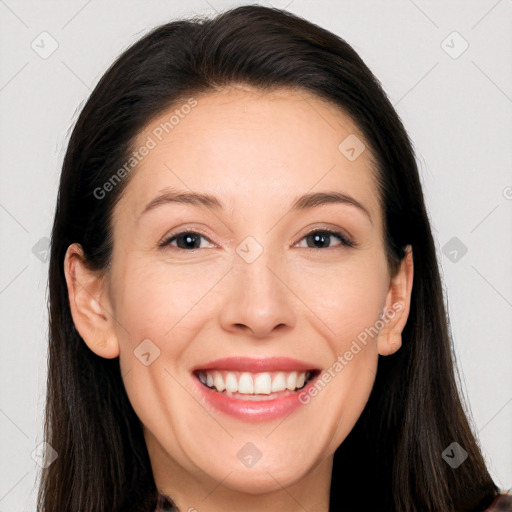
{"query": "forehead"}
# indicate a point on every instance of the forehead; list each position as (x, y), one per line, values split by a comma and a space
(251, 147)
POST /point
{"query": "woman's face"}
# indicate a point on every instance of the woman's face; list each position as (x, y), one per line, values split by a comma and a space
(224, 271)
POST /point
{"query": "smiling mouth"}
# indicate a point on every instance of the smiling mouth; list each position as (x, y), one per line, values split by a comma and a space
(260, 386)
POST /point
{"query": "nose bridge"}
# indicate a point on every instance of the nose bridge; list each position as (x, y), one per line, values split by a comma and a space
(258, 298)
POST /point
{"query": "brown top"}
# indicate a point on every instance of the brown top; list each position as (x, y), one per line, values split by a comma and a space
(502, 503)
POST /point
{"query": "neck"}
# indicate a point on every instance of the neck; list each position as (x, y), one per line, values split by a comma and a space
(198, 492)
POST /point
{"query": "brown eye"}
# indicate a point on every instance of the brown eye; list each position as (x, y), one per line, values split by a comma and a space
(321, 239)
(187, 240)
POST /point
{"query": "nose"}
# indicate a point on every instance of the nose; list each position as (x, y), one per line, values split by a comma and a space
(259, 299)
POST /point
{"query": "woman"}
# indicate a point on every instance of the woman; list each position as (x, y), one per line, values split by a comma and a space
(246, 311)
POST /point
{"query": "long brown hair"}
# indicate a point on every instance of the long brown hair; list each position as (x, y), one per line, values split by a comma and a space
(414, 412)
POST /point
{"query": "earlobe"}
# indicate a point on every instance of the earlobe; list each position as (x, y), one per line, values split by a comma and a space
(88, 302)
(396, 310)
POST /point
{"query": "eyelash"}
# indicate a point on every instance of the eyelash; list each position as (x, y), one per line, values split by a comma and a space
(345, 241)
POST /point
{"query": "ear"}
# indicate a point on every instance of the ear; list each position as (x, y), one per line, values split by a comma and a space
(89, 303)
(396, 310)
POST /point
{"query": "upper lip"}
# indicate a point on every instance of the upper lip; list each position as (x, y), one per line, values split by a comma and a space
(252, 364)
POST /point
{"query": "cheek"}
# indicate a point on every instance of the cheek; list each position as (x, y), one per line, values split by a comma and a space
(349, 303)
(160, 311)
(166, 304)
(158, 298)
(347, 299)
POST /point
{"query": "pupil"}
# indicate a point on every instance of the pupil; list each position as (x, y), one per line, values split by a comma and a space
(189, 240)
(320, 238)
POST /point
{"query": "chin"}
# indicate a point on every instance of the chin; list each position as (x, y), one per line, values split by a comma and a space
(263, 480)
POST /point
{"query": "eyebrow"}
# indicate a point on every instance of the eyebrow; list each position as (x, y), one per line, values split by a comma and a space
(304, 202)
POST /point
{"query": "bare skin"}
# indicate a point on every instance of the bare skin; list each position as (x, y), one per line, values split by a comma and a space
(256, 153)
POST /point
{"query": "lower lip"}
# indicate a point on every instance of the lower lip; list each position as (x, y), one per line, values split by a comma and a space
(251, 410)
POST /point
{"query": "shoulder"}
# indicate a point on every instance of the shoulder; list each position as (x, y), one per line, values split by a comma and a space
(502, 503)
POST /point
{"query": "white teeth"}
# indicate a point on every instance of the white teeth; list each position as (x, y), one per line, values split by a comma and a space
(218, 381)
(263, 384)
(253, 383)
(291, 381)
(231, 383)
(245, 384)
(279, 382)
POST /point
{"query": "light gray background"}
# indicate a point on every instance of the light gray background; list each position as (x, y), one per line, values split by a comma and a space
(458, 112)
